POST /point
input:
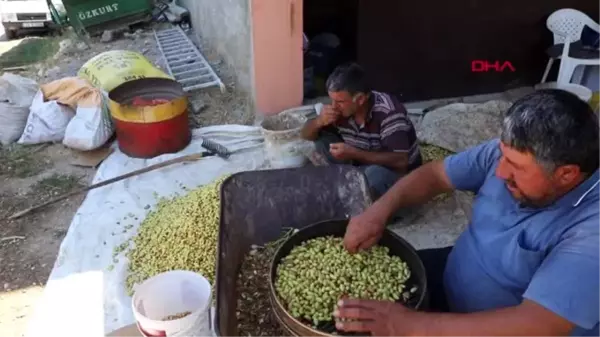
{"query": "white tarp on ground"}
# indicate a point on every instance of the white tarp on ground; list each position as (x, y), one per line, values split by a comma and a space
(83, 298)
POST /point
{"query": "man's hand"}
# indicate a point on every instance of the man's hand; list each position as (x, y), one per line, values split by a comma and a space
(364, 231)
(376, 317)
(343, 151)
(328, 116)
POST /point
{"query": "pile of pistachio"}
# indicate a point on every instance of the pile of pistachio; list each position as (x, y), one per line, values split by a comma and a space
(317, 273)
(432, 152)
(181, 233)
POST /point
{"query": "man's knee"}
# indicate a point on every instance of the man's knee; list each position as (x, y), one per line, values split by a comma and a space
(380, 179)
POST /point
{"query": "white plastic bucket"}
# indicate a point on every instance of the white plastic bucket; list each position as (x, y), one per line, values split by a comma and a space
(283, 144)
(173, 293)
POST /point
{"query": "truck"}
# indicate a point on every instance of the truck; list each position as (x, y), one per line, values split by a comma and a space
(23, 16)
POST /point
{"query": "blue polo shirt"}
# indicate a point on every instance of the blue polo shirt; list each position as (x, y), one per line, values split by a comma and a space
(508, 252)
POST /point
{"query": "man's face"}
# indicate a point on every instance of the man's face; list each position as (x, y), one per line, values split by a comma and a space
(344, 103)
(529, 182)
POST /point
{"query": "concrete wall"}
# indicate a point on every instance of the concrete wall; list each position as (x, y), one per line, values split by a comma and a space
(225, 26)
(277, 45)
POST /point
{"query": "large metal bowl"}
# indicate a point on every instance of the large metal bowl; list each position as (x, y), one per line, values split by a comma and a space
(398, 247)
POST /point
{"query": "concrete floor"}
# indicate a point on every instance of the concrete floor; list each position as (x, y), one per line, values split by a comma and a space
(436, 224)
(419, 106)
(509, 95)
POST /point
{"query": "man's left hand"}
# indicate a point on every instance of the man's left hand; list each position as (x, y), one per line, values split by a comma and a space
(343, 151)
(380, 318)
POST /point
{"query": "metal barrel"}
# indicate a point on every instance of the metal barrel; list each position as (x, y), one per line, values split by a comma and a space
(148, 131)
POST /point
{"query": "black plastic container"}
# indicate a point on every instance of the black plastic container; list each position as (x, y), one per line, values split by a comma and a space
(398, 247)
(257, 205)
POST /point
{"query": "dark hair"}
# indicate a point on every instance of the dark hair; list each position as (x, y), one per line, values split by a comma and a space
(348, 77)
(556, 127)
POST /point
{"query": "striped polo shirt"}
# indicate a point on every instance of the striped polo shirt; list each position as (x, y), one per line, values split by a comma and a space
(387, 128)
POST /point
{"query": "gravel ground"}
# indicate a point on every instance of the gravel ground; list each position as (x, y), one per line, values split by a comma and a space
(213, 106)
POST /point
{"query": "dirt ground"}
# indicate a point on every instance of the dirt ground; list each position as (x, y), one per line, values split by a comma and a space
(30, 175)
(29, 245)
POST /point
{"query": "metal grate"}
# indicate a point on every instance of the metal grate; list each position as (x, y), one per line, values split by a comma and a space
(31, 16)
(185, 62)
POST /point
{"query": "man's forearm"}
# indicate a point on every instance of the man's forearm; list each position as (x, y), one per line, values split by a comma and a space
(393, 160)
(416, 188)
(527, 319)
(310, 130)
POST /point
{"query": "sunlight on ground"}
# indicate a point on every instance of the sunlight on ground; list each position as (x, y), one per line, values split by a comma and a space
(26, 51)
(8, 45)
(16, 307)
(72, 305)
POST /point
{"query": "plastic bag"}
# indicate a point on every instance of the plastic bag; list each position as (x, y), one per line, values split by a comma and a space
(16, 95)
(47, 121)
(90, 128)
(72, 91)
(113, 68)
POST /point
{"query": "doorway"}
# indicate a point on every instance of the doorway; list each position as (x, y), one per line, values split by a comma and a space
(331, 30)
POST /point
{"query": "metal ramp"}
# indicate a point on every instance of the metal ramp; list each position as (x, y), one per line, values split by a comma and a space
(185, 62)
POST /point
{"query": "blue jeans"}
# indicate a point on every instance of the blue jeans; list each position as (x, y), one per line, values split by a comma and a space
(379, 178)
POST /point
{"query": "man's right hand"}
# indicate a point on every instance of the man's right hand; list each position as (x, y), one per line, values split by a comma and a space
(328, 116)
(364, 231)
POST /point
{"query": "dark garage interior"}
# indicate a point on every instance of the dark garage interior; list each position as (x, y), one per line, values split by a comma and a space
(422, 50)
(337, 17)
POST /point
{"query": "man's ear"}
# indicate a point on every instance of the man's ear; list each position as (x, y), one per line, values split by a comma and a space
(360, 98)
(567, 173)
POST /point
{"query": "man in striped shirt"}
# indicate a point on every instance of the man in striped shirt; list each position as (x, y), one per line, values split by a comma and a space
(364, 128)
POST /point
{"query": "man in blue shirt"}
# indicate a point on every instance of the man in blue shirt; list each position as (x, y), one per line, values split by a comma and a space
(528, 263)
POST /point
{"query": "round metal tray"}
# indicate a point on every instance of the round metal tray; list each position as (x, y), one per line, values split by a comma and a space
(398, 247)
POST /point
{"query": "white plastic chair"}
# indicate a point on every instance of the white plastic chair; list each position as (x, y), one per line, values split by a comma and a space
(568, 23)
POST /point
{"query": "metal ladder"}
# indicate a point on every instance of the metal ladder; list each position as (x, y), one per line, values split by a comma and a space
(184, 61)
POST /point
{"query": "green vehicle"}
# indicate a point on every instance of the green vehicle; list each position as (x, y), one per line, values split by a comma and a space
(23, 16)
(95, 16)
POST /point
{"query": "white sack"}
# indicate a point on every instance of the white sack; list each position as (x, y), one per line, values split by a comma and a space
(47, 121)
(16, 95)
(90, 128)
